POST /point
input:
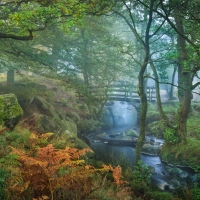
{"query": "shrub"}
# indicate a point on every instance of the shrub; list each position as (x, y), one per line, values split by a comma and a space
(55, 174)
(141, 179)
(170, 137)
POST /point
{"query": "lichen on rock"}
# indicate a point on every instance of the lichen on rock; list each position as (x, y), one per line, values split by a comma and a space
(10, 110)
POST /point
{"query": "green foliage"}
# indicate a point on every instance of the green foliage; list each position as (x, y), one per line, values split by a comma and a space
(184, 193)
(157, 128)
(170, 137)
(193, 126)
(196, 192)
(28, 167)
(157, 195)
(4, 174)
(183, 154)
(35, 15)
(142, 173)
(10, 160)
(140, 179)
(8, 172)
(18, 139)
(172, 55)
(171, 108)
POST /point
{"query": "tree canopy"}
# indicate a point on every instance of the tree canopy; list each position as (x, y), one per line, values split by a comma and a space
(21, 19)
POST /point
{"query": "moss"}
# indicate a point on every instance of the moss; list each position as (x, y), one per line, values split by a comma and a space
(73, 115)
(51, 124)
(70, 126)
(10, 110)
(86, 126)
(131, 132)
(193, 126)
(183, 154)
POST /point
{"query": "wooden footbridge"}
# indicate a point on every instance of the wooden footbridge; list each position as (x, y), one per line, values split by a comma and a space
(121, 92)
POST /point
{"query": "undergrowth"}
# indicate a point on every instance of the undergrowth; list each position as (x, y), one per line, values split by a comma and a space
(183, 154)
(44, 167)
(33, 169)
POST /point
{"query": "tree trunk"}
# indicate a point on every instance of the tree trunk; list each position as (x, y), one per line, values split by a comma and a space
(185, 81)
(10, 77)
(159, 103)
(184, 109)
(143, 111)
(180, 82)
(142, 91)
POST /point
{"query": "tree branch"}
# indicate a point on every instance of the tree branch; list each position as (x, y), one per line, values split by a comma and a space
(17, 37)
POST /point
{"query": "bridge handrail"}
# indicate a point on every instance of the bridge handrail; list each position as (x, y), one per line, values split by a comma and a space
(121, 91)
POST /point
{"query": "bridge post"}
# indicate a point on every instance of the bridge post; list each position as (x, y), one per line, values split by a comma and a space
(149, 93)
(125, 93)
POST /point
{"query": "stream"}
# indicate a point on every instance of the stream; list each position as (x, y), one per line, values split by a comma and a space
(120, 116)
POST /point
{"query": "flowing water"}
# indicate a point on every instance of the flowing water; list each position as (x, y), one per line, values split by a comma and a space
(121, 116)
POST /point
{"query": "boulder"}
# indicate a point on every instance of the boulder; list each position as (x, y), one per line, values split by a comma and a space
(73, 115)
(131, 132)
(50, 124)
(46, 107)
(70, 126)
(151, 149)
(10, 110)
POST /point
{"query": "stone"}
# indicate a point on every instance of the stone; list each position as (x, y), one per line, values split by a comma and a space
(46, 107)
(10, 110)
(151, 149)
(131, 132)
(73, 115)
(70, 126)
(50, 124)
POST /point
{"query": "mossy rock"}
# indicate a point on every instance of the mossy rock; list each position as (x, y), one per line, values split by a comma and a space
(114, 134)
(151, 149)
(46, 107)
(73, 115)
(70, 126)
(10, 110)
(51, 124)
(68, 139)
(131, 132)
(88, 126)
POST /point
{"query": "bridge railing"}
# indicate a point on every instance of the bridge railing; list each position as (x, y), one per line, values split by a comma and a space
(122, 93)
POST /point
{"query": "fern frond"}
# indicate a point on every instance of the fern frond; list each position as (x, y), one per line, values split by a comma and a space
(54, 172)
(76, 154)
(46, 135)
(117, 173)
